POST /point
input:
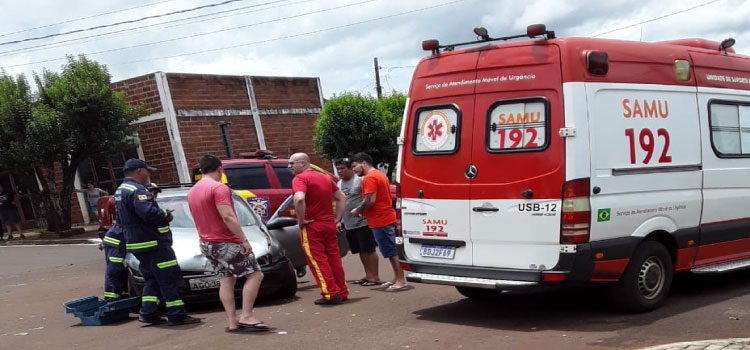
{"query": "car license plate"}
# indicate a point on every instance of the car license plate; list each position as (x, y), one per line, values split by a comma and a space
(204, 283)
(438, 251)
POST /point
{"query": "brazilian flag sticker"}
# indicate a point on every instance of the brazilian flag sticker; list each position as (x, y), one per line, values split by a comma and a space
(602, 215)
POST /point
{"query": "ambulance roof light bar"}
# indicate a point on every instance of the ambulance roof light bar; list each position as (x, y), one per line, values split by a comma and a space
(532, 31)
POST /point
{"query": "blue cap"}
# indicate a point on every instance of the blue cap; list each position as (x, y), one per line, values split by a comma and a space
(133, 164)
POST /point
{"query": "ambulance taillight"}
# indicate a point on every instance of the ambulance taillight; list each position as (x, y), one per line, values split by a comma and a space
(576, 212)
(397, 206)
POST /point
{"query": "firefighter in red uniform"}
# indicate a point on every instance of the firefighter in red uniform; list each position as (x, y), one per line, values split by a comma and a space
(313, 194)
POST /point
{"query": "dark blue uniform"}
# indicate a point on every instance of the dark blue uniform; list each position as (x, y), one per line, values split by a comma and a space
(114, 252)
(149, 239)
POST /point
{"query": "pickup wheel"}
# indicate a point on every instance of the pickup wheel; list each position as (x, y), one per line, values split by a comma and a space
(477, 293)
(647, 279)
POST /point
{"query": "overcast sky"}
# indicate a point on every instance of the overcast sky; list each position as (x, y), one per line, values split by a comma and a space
(335, 40)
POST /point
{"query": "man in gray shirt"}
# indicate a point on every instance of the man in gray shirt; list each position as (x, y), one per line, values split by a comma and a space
(359, 235)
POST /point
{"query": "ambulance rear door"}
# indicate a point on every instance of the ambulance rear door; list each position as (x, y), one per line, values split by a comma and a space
(518, 159)
(437, 149)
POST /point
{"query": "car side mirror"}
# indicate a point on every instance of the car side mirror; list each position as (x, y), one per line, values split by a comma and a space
(281, 222)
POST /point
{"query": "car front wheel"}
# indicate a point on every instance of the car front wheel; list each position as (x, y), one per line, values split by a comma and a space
(289, 286)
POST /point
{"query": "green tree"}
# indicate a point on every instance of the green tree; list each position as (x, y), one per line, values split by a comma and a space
(352, 123)
(75, 115)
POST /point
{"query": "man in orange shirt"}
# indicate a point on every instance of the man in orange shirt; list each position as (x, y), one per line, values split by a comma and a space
(376, 207)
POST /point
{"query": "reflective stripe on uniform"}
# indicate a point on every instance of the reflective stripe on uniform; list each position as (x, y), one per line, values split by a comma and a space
(318, 274)
(142, 245)
(177, 302)
(164, 229)
(127, 187)
(110, 240)
(164, 265)
(116, 260)
(149, 299)
(166, 213)
(111, 295)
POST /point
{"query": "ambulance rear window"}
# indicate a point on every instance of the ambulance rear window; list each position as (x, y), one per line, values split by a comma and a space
(436, 130)
(518, 125)
(730, 129)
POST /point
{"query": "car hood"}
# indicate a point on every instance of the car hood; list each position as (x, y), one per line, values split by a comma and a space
(186, 245)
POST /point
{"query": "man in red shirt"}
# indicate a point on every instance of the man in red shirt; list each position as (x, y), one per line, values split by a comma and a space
(224, 244)
(376, 207)
(313, 196)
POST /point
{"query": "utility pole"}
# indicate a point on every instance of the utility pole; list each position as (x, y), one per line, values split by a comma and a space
(378, 88)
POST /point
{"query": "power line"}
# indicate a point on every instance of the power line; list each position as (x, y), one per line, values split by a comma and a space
(119, 23)
(657, 18)
(285, 37)
(87, 17)
(203, 34)
(395, 67)
(75, 41)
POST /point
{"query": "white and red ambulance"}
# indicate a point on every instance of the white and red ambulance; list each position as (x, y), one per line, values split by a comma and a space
(575, 160)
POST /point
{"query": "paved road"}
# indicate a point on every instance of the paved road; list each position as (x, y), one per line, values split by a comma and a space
(35, 281)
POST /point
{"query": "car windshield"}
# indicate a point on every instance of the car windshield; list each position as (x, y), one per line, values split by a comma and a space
(183, 218)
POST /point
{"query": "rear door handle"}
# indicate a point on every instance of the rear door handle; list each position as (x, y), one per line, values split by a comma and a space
(484, 209)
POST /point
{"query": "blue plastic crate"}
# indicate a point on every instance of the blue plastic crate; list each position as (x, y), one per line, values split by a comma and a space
(96, 312)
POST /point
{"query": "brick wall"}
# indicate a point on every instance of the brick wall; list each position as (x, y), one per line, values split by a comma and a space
(157, 149)
(207, 92)
(289, 134)
(202, 135)
(141, 90)
(280, 93)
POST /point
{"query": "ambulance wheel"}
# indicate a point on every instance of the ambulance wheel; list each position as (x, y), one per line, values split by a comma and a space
(477, 293)
(647, 279)
(289, 286)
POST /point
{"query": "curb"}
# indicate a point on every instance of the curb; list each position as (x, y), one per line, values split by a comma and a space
(87, 240)
(744, 342)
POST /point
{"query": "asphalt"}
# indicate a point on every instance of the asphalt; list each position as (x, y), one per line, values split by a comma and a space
(90, 236)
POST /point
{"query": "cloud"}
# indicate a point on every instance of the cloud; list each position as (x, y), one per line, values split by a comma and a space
(343, 57)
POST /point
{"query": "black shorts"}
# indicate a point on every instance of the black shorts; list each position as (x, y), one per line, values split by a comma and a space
(361, 240)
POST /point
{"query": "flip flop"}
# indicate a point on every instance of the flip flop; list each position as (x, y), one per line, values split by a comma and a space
(386, 284)
(239, 329)
(392, 288)
(359, 281)
(368, 283)
(253, 327)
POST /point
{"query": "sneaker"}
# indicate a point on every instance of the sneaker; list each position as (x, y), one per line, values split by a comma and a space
(183, 320)
(10, 238)
(22, 236)
(335, 301)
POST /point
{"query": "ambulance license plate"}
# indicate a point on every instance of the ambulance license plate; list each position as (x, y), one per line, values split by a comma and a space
(438, 251)
(204, 283)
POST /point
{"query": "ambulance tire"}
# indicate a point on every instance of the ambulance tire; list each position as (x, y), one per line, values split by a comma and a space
(645, 284)
(477, 293)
